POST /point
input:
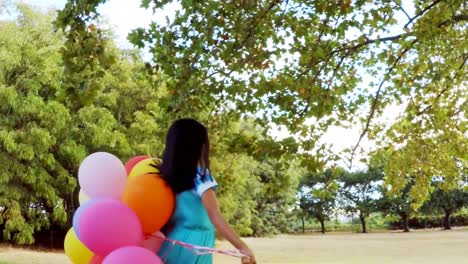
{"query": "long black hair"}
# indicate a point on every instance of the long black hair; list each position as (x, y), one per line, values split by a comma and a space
(187, 148)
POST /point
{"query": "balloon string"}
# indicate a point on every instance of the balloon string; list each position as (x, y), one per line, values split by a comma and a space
(200, 250)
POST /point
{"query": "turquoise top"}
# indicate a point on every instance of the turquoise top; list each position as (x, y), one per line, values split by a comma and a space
(191, 224)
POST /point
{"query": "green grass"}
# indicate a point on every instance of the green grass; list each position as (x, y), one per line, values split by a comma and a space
(421, 247)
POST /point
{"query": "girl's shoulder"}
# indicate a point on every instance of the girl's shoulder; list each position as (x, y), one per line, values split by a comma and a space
(204, 181)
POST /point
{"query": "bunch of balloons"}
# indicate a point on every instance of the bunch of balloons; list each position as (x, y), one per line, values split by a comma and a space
(122, 208)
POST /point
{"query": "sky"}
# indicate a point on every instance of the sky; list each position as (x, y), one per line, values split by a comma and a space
(125, 15)
(122, 15)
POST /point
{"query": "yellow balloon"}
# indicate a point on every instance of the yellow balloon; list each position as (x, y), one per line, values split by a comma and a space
(75, 250)
(144, 167)
(83, 197)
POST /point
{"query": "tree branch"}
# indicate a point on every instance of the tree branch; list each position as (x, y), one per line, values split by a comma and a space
(319, 38)
(376, 100)
(257, 21)
(456, 18)
(335, 70)
(445, 88)
(347, 47)
(372, 41)
(403, 10)
(422, 12)
(349, 51)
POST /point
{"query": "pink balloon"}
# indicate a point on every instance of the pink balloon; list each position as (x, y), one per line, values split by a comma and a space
(102, 175)
(127, 255)
(154, 242)
(107, 225)
(77, 215)
(133, 161)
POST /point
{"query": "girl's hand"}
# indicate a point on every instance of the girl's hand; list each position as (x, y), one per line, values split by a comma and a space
(211, 205)
(250, 258)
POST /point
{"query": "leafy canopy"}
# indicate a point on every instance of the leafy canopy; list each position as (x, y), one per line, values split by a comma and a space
(308, 65)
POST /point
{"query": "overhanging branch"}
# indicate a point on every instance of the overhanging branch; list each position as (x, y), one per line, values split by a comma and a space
(376, 100)
(429, 7)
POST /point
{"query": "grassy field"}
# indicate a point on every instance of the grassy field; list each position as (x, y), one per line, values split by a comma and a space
(428, 247)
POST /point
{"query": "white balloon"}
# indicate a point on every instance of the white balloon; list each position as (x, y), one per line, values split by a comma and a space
(102, 175)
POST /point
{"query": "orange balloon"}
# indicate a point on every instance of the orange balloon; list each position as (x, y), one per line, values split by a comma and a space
(151, 199)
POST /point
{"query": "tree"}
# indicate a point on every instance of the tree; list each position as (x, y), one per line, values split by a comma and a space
(360, 191)
(257, 177)
(446, 201)
(34, 147)
(278, 180)
(44, 137)
(317, 196)
(423, 145)
(399, 204)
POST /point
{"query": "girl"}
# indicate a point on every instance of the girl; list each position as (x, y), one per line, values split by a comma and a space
(185, 167)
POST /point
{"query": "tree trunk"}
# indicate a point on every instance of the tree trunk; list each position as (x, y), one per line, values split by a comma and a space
(2, 227)
(405, 219)
(303, 224)
(362, 218)
(322, 224)
(447, 220)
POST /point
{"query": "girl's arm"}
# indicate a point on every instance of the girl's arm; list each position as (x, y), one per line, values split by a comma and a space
(211, 204)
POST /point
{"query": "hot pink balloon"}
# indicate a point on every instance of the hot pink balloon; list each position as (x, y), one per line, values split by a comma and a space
(102, 175)
(127, 255)
(154, 242)
(107, 225)
(133, 161)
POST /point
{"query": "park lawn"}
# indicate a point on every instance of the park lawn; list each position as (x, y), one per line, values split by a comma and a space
(426, 247)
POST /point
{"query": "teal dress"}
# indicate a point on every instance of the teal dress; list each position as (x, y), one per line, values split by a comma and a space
(191, 224)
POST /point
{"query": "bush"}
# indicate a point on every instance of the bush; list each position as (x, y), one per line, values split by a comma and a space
(434, 221)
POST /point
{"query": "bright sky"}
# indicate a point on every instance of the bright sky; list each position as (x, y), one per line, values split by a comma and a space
(125, 15)
(122, 15)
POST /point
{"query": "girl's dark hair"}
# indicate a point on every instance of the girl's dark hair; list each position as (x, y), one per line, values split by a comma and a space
(187, 148)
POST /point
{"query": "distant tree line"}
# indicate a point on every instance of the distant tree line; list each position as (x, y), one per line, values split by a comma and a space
(360, 194)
